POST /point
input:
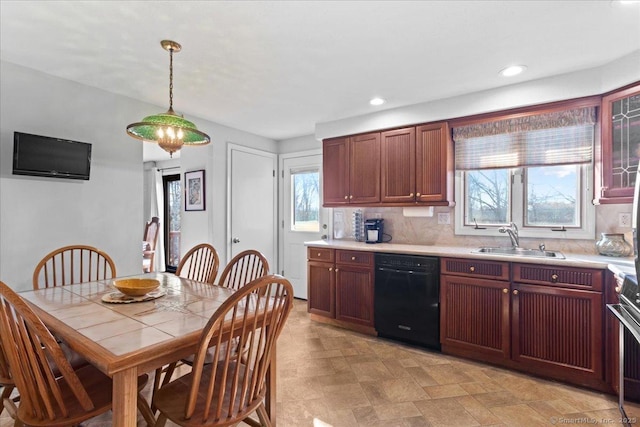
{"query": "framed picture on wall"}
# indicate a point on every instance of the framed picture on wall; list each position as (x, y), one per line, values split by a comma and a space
(194, 191)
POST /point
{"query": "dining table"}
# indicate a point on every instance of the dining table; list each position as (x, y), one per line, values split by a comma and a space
(126, 338)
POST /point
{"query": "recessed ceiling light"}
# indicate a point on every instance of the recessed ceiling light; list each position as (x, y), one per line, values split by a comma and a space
(377, 101)
(513, 70)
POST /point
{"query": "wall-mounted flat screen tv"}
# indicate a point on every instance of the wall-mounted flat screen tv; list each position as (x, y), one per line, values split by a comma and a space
(51, 157)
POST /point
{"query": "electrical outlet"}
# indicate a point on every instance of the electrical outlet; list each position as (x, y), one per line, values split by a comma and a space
(624, 220)
(444, 218)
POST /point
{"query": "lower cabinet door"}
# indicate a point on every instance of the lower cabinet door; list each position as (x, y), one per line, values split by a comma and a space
(321, 288)
(474, 317)
(354, 295)
(558, 332)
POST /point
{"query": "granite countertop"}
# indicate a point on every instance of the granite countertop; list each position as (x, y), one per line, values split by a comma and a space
(619, 266)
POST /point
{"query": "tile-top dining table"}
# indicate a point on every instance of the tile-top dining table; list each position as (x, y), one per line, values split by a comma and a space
(125, 340)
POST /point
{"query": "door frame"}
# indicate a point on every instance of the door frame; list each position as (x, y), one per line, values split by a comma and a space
(274, 157)
(281, 197)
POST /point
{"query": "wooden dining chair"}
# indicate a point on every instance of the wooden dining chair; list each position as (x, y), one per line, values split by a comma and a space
(149, 243)
(73, 264)
(52, 393)
(7, 383)
(227, 392)
(200, 263)
(243, 268)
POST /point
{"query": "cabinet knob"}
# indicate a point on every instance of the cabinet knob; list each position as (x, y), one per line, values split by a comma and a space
(505, 290)
(330, 268)
(515, 292)
(318, 253)
(346, 197)
(410, 194)
(336, 270)
(351, 197)
(472, 269)
(417, 194)
(353, 258)
(554, 278)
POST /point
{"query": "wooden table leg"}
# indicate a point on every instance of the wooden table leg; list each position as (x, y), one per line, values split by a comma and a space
(270, 398)
(125, 393)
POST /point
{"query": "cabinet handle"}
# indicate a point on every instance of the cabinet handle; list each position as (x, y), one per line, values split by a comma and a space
(554, 278)
(472, 269)
(353, 258)
(505, 291)
(515, 292)
(417, 194)
(410, 194)
(330, 268)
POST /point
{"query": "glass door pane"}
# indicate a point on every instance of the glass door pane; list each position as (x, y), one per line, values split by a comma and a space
(173, 205)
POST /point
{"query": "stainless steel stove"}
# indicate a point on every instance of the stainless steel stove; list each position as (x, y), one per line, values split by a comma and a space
(628, 313)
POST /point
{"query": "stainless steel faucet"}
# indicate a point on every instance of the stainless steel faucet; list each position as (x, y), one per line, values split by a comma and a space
(512, 231)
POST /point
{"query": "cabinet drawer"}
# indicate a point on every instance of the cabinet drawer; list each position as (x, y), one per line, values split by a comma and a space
(567, 277)
(475, 268)
(354, 258)
(320, 254)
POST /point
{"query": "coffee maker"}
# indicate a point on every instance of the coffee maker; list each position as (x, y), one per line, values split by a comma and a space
(373, 229)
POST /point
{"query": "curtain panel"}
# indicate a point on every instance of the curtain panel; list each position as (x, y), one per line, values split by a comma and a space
(556, 138)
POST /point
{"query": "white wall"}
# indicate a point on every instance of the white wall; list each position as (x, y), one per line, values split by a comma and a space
(300, 143)
(589, 82)
(38, 215)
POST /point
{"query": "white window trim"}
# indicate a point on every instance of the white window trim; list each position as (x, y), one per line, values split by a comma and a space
(588, 214)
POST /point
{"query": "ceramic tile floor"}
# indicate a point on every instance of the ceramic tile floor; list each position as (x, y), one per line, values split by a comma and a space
(331, 377)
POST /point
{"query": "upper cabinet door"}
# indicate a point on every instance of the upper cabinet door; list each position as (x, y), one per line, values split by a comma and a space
(398, 165)
(620, 144)
(364, 174)
(434, 163)
(335, 171)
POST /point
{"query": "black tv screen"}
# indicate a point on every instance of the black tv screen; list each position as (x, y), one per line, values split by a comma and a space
(52, 157)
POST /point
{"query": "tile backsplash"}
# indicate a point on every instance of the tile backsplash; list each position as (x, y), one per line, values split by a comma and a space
(427, 231)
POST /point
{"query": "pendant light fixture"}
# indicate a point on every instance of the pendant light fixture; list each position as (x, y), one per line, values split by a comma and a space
(169, 130)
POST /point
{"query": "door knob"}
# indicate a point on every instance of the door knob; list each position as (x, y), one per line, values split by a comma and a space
(235, 240)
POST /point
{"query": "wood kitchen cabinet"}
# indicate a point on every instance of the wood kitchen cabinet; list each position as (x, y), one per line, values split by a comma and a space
(620, 144)
(401, 167)
(546, 320)
(340, 287)
(474, 309)
(351, 170)
(556, 322)
(434, 164)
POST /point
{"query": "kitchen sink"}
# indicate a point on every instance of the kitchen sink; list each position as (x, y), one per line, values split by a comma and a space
(511, 251)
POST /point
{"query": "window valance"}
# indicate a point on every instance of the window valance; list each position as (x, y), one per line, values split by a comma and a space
(555, 138)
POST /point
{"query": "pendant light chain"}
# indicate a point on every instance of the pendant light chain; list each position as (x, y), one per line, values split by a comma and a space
(171, 79)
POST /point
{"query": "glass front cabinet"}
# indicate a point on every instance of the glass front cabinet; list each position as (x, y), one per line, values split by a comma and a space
(620, 144)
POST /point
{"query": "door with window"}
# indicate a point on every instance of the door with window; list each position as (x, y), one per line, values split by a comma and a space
(172, 214)
(303, 217)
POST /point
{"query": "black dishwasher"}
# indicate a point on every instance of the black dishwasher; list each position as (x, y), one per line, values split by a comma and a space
(407, 299)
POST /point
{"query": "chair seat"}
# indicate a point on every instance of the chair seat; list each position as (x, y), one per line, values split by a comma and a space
(98, 386)
(171, 398)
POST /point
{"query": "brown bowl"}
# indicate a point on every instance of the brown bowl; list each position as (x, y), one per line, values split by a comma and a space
(136, 287)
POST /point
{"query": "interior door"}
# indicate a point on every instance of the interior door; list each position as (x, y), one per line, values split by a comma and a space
(304, 219)
(252, 203)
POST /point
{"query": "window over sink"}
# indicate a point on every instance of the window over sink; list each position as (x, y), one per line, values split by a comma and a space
(535, 170)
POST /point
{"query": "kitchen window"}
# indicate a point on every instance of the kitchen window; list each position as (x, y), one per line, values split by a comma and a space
(534, 170)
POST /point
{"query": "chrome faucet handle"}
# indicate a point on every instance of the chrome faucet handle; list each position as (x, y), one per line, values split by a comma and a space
(542, 247)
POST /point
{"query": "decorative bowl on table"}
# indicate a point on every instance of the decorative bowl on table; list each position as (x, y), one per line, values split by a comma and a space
(136, 287)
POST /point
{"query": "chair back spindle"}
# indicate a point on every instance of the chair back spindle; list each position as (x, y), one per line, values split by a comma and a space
(244, 268)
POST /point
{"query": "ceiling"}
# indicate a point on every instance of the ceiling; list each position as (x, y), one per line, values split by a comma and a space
(276, 69)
